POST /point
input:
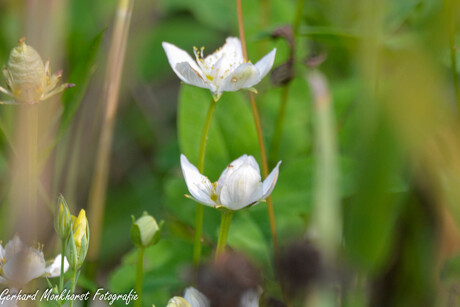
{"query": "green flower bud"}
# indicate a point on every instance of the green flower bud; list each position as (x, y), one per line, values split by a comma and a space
(62, 218)
(78, 244)
(145, 231)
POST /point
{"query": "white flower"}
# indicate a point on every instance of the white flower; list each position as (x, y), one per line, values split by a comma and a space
(239, 184)
(192, 298)
(223, 71)
(19, 264)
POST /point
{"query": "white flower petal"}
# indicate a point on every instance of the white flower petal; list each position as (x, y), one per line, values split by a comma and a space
(13, 247)
(250, 299)
(226, 59)
(270, 181)
(241, 188)
(198, 185)
(54, 269)
(246, 75)
(178, 301)
(192, 76)
(195, 298)
(265, 64)
(25, 266)
(190, 73)
(234, 165)
(2, 252)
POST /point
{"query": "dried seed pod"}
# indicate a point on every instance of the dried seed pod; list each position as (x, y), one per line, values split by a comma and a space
(28, 80)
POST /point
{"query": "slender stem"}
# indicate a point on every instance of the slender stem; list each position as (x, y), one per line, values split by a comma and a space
(73, 285)
(453, 55)
(139, 276)
(204, 135)
(199, 207)
(255, 112)
(101, 171)
(61, 277)
(298, 16)
(225, 222)
(278, 133)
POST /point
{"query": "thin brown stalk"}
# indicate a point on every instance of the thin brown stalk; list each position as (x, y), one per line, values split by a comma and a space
(97, 195)
(255, 112)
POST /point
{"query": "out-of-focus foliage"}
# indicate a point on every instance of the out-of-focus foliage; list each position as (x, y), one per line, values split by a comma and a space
(389, 68)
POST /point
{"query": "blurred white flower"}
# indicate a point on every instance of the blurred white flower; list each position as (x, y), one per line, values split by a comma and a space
(239, 184)
(19, 264)
(192, 298)
(225, 70)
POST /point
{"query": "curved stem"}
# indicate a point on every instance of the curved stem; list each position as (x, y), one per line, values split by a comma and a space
(225, 222)
(255, 112)
(139, 276)
(199, 207)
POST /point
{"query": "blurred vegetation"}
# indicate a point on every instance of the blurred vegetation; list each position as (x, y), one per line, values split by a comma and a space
(390, 69)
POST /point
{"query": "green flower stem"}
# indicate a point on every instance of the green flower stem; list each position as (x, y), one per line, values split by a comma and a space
(61, 277)
(73, 285)
(255, 113)
(199, 207)
(139, 276)
(223, 232)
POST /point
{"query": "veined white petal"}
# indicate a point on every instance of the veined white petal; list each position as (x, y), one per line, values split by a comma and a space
(178, 301)
(192, 76)
(270, 181)
(188, 71)
(234, 165)
(25, 266)
(233, 48)
(250, 299)
(241, 188)
(265, 64)
(244, 76)
(198, 185)
(13, 247)
(195, 298)
(54, 269)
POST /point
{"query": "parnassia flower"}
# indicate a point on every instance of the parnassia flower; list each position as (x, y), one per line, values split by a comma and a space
(225, 70)
(194, 298)
(239, 184)
(19, 264)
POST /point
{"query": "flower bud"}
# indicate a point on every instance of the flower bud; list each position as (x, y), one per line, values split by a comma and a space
(77, 246)
(178, 301)
(62, 218)
(145, 231)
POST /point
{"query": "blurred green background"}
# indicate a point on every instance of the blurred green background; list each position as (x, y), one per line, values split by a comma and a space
(392, 78)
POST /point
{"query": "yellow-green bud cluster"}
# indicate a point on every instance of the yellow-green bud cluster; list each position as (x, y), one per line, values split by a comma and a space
(145, 231)
(78, 243)
(73, 231)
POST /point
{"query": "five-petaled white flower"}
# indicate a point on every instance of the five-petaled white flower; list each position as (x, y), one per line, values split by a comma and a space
(239, 184)
(223, 71)
(20, 264)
